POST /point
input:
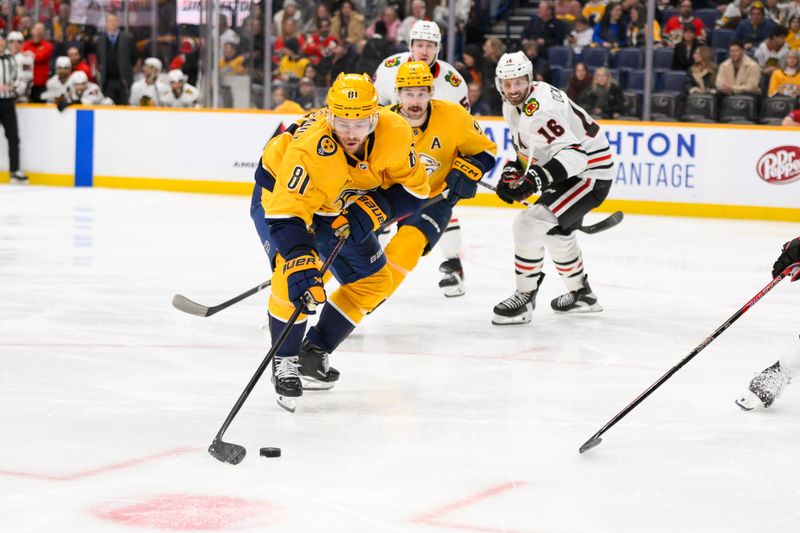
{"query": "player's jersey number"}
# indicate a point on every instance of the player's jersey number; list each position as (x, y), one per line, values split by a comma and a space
(299, 178)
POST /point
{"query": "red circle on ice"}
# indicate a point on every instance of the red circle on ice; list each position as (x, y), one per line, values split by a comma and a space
(185, 512)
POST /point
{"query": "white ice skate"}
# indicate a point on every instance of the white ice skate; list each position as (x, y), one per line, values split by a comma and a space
(764, 388)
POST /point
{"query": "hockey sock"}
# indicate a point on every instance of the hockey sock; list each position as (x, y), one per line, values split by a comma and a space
(450, 241)
(527, 270)
(333, 327)
(567, 258)
(291, 346)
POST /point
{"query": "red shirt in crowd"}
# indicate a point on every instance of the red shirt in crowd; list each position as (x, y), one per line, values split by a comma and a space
(675, 24)
(42, 53)
(83, 66)
(315, 47)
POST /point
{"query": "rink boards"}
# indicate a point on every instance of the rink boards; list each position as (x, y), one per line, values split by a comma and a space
(683, 169)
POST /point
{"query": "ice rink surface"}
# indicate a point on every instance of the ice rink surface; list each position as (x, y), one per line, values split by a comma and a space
(442, 422)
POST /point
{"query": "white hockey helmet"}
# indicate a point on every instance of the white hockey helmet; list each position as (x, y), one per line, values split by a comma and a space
(426, 30)
(510, 66)
(16, 36)
(77, 78)
(63, 62)
(176, 75)
(154, 62)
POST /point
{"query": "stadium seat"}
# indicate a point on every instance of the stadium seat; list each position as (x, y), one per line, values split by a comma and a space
(633, 104)
(720, 56)
(635, 81)
(674, 81)
(662, 58)
(668, 14)
(596, 57)
(700, 108)
(629, 58)
(560, 56)
(738, 109)
(775, 108)
(721, 39)
(664, 106)
(708, 16)
(562, 79)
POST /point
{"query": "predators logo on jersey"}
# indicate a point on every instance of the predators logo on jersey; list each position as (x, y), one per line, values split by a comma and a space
(531, 106)
(392, 62)
(453, 79)
(326, 146)
(431, 165)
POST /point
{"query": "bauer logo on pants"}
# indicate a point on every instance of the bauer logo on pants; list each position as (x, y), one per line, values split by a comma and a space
(780, 165)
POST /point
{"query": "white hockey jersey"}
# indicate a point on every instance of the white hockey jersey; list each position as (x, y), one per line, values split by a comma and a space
(548, 125)
(149, 94)
(24, 75)
(447, 83)
(91, 95)
(55, 89)
(189, 97)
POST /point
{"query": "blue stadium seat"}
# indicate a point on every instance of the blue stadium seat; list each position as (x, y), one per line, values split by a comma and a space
(668, 14)
(720, 56)
(562, 80)
(560, 56)
(674, 81)
(662, 58)
(708, 16)
(596, 57)
(635, 81)
(721, 39)
(629, 58)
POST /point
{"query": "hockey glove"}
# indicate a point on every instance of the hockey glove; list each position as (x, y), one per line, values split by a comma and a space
(520, 187)
(790, 255)
(361, 218)
(511, 173)
(304, 280)
(462, 181)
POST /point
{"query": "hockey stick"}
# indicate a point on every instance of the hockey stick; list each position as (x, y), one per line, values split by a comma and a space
(790, 271)
(182, 303)
(609, 222)
(231, 453)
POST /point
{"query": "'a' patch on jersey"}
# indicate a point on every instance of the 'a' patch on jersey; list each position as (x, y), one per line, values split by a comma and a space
(326, 146)
(436, 144)
(531, 106)
(392, 62)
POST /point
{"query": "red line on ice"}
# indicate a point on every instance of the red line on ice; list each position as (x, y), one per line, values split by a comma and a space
(101, 470)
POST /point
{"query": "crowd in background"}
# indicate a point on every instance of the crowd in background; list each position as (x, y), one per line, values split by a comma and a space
(592, 49)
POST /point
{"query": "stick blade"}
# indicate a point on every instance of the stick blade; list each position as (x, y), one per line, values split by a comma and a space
(182, 303)
(589, 444)
(227, 452)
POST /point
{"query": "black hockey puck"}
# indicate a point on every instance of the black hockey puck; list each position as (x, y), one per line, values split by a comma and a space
(269, 452)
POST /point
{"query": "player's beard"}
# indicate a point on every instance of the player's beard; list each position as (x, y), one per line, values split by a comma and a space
(351, 144)
(517, 99)
(414, 112)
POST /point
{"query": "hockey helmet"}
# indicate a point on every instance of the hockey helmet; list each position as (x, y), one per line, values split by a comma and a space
(414, 74)
(78, 77)
(511, 66)
(63, 62)
(353, 96)
(16, 36)
(175, 75)
(154, 62)
(426, 30)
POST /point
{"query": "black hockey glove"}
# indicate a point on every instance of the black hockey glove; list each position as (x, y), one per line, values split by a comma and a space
(511, 173)
(462, 181)
(521, 186)
(791, 254)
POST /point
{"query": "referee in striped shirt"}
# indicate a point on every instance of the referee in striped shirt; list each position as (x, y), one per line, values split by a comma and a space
(8, 110)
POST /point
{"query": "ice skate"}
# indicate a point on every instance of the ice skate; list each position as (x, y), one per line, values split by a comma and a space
(764, 388)
(452, 284)
(316, 372)
(286, 379)
(19, 177)
(581, 301)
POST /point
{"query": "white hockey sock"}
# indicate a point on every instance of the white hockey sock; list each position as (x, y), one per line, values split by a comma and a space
(527, 269)
(450, 241)
(568, 259)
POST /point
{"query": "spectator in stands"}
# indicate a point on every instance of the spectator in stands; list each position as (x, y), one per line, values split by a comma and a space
(418, 8)
(786, 80)
(181, 94)
(581, 35)
(392, 22)
(290, 31)
(733, 14)
(610, 31)
(792, 119)
(78, 63)
(371, 9)
(673, 30)
(57, 87)
(683, 54)
(342, 60)
(289, 11)
(62, 31)
(306, 93)
(42, 51)
(791, 9)
(703, 72)
(603, 98)
(493, 49)
(755, 29)
(773, 12)
(477, 107)
(226, 33)
(282, 104)
(472, 68)
(25, 26)
(322, 12)
(321, 43)
(579, 81)
(292, 64)
(116, 56)
(635, 34)
(594, 10)
(314, 75)
(541, 68)
(149, 91)
(373, 50)
(25, 65)
(544, 28)
(231, 63)
(793, 38)
(567, 11)
(738, 74)
(347, 24)
(772, 52)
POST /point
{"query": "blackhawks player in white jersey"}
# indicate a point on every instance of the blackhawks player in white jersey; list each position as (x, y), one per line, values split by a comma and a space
(766, 386)
(564, 156)
(448, 85)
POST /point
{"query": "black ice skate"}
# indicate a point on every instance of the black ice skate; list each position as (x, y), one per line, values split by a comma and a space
(452, 284)
(581, 301)
(764, 388)
(315, 370)
(517, 308)
(287, 383)
(19, 177)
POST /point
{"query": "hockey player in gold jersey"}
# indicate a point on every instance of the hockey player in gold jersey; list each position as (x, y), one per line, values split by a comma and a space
(456, 154)
(351, 165)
